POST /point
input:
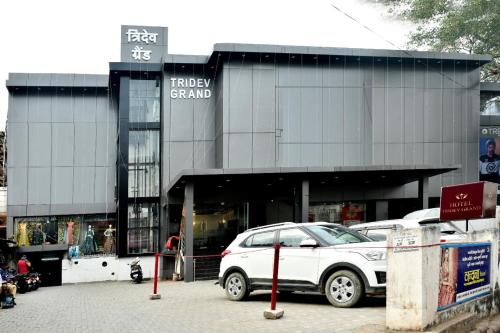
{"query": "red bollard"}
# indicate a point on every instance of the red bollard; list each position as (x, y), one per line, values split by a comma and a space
(275, 276)
(155, 294)
(273, 313)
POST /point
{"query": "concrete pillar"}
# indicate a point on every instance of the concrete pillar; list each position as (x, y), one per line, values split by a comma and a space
(412, 279)
(423, 192)
(381, 210)
(305, 201)
(188, 232)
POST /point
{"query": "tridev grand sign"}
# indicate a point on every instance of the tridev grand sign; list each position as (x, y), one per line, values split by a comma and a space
(143, 44)
(468, 201)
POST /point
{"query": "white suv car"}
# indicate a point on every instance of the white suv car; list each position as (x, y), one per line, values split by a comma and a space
(321, 256)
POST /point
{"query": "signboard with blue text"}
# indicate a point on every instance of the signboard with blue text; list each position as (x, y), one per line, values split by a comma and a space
(464, 273)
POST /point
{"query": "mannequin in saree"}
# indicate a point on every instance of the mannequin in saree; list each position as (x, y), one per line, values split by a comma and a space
(109, 243)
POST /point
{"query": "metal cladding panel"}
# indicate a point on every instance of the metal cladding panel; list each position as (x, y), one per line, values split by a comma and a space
(18, 186)
(240, 150)
(39, 144)
(204, 119)
(290, 155)
(413, 115)
(204, 155)
(311, 155)
(85, 105)
(181, 120)
(353, 104)
(104, 112)
(63, 144)
(333, 154)
(264, 150)
(434, 77)
(395, 114)
(240, 100)
(433, 103)
(352, 154)
(17, 138)
(104, 185)
(333, 75)
(181, 157)
(353, 75)
(333, 115)
(39, 107)
(450, 112)
(83, 185)
(105, 144)
(379, 153)
(414, 153)
(264, 104)
(39, 186)
(61, 190)
(395, 155)
(85, 144)
(62, 107)
(289, 114)
(433, 153)
(18, 106)
(379, 114)
(311, 117)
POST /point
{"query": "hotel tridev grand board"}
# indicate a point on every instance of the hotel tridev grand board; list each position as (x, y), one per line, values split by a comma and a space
(107, 167)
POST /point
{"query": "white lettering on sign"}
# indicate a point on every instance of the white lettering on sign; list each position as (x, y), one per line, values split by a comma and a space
(133, 35)
(138, 53)
(190, 88)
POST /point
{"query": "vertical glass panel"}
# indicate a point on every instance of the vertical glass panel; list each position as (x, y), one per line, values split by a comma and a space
(144, 164)
(142, 241)
(144, 101)
(143, 215)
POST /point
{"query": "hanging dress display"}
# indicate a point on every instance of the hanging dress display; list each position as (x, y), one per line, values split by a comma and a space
(69, 233)
(22, 235)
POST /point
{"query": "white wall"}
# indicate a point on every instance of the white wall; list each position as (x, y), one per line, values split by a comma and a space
(91, 269)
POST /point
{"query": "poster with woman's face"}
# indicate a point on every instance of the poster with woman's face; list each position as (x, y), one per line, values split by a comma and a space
(448, 276)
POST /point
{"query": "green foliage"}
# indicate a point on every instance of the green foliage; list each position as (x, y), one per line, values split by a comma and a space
(471, 26)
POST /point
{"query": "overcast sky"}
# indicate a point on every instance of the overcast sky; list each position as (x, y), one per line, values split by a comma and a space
(62, 36)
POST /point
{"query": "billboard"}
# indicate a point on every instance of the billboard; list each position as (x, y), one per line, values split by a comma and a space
(464, 273)
(489, 154)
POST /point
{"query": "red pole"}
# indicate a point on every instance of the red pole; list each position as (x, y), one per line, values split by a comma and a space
(157, 255)
(275, 276)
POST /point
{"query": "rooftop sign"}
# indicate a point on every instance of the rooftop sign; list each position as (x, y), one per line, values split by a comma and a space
(143, 44)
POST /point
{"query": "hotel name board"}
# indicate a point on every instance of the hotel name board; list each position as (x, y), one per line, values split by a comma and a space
(143, 44)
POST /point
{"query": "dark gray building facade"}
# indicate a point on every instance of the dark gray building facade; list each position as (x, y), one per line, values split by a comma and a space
(249, 135)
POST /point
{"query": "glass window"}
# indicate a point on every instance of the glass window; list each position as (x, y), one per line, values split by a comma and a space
(263, 239)
(334, 235)
(142, 240)
(143, 220)
(84, 234)
(144, 101)
(378, 235)
(292, 237)
(144, 164)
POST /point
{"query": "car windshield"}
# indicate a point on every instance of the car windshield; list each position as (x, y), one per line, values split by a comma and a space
(334, 235)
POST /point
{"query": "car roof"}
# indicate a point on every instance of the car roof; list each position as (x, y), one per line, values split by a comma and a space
(284, 225)
(402, 222)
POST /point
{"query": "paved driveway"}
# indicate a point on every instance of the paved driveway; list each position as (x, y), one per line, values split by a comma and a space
(184, 307)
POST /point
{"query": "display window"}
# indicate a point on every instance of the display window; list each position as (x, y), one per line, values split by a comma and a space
(143, 221)
(85, 235)
(346, 213)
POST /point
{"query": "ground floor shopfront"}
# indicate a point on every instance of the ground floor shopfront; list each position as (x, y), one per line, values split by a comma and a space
(209, 208)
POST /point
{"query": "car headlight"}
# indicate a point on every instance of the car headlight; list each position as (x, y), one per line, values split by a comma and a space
(374, 255)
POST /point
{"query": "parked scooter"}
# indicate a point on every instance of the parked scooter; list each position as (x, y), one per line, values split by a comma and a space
(135, 271)
(35, 280)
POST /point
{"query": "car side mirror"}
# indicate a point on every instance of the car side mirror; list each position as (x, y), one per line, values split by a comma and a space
(309, 243)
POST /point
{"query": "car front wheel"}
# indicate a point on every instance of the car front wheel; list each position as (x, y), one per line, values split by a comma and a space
(344, 289)
(236, 287)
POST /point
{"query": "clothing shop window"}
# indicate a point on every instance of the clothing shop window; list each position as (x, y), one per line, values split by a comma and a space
(144, 164)
(144, 101)
(84, 234)
(143, 221)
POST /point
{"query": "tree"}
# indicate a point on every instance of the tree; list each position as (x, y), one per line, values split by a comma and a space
(470, 26)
